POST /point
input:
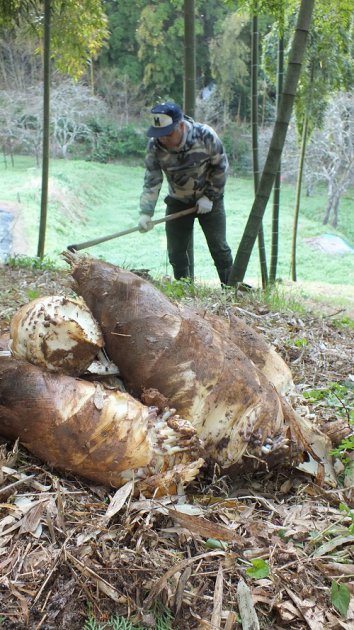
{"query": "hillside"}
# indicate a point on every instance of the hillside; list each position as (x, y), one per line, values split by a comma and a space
(88, 200)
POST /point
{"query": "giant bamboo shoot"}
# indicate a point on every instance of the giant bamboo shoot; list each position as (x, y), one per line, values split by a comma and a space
(57, 333)
(235, 409)
(105, 436)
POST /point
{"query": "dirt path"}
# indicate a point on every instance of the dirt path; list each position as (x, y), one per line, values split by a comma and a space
(325, 299)
(19, 242)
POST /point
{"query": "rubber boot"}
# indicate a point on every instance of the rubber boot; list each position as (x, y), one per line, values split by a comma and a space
(224, 275)
(181, 273)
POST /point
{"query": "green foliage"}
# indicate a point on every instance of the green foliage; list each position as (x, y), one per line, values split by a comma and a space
(115, 623)
(327, 62)
(324, 74)
(160, 38)
(260, 569)
(210, 17)
(344, 452)
(344, 508)
(278, 298)
(78, 29)
(134, 50)
(184, 288)
(162, 618)
(119, 623)
(177, 289)
(113, 142)
(92, 624)
(334, 16)
(13, 10)
(31, 262)
(301, 342)
(212, 543)
(161, 28)
(32, 294)
(237, 144)
(274, 8)
(340, 597)
(344, 321)
(340, 398)
(229, 54)
(121, 50)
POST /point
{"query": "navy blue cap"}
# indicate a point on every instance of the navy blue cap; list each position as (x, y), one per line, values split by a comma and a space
(165, 118)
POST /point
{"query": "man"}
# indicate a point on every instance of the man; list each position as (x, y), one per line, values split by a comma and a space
(192, 158)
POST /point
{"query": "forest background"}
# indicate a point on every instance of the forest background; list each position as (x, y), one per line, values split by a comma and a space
(99, 112)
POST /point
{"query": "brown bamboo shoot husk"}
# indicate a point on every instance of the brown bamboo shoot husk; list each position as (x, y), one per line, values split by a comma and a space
(105, 436)
(256, 348)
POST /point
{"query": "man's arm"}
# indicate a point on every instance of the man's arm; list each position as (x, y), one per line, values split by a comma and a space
(152, 182)
(219, 165)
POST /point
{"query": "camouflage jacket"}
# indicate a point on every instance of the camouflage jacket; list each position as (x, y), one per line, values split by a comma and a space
(196, 169)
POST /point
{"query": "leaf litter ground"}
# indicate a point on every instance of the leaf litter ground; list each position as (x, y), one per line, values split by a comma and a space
(69, 549)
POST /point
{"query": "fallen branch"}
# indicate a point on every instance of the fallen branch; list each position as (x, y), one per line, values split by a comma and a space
(246, 608)
(7, 491)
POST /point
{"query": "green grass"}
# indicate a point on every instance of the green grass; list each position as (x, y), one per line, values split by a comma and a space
(29, 262)
(278, 297)
(161, 615)
(88, 200)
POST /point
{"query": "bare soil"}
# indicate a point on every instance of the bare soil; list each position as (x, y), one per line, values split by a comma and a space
(60, 559)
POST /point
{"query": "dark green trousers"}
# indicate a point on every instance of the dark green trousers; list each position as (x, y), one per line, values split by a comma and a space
(179, 232)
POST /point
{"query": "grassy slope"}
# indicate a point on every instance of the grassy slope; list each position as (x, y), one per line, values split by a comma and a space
(88, 200)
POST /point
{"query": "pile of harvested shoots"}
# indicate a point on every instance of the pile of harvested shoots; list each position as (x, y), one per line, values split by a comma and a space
(67, 548)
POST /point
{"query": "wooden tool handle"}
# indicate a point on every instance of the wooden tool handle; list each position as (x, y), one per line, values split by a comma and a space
(102, 239)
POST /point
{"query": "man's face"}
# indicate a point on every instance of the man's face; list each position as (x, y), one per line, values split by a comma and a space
(174, 138)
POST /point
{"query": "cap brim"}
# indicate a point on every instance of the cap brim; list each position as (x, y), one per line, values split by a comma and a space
(159, 132)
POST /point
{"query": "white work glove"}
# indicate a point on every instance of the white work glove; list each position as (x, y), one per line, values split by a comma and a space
(145, 224)
(204, 205)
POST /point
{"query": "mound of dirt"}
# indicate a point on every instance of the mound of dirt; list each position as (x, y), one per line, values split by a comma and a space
(330, 244)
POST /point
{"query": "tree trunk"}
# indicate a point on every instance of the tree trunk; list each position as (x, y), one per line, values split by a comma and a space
(330, 196)
(277, 143)
(276, 195)
(305, 125)
(300, 174)
(189, 86)
(189, 58)
(334, 221)
(255, 156)
(46, 131)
